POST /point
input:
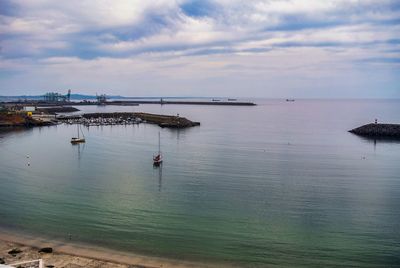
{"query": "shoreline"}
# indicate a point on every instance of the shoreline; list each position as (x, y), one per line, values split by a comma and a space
(132, 103)
(96, 119)
(75, 253)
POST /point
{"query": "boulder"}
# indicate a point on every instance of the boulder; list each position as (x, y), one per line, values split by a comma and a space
(46, 250)
(14, 251)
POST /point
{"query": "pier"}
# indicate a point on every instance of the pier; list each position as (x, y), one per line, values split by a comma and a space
(123, 118)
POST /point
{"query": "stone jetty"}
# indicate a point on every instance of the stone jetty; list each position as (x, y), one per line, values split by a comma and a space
(169, 121)
(376, 130)
(123, 118)
(57, 109)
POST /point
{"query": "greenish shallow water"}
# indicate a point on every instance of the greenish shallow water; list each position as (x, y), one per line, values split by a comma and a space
(278, 184)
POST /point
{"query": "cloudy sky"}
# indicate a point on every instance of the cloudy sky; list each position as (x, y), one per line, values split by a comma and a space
(252, 48)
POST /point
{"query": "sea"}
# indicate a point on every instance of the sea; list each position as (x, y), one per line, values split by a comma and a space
(279, 184)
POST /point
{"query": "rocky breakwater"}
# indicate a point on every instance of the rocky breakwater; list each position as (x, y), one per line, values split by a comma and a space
(124, 118)
(375, 130)
(169, 121)
(57, 109)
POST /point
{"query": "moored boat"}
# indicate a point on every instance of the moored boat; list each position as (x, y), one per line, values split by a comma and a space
(76, 140)
(157, 159)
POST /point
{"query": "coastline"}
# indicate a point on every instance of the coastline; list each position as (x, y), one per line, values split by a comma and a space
(66, 254)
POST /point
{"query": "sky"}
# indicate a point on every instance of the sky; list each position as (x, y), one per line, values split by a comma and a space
(233, 48)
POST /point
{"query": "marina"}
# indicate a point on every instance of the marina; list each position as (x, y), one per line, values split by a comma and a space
(124, 118)
(100, 121)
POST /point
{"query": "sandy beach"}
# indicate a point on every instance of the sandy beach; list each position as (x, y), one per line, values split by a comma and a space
(76, 256)
(51, 259)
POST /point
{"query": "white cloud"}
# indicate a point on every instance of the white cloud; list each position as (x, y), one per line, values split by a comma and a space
(115, 43)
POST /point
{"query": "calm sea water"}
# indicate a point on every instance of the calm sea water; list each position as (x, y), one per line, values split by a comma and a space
(279, 184)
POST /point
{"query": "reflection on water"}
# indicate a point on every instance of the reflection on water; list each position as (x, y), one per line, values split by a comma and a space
(159, 173)
(270, 185)
(376, 140)
(80, 148)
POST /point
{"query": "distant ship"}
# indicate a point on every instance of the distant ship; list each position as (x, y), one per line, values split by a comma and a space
(289, 99)
(232, 99)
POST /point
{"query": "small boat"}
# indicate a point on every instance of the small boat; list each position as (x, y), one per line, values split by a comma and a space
(232, 99)
(76, 140)
(157, 159)
(289, 99)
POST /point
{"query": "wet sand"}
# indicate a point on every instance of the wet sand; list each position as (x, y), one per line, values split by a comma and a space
(76, 256)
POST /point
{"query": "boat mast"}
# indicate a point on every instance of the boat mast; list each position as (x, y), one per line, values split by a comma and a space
(159, 146)
(83, 135)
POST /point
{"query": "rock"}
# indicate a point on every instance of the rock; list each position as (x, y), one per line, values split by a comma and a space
(46, 250)
(2, 261)
(50, 266)
(169, 121)
(14, 251)
(378, 130)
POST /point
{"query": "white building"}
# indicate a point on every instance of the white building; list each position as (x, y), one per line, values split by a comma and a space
(29, 108)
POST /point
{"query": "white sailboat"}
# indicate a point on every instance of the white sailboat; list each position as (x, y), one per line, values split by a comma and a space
(76, 140)
(157, 159)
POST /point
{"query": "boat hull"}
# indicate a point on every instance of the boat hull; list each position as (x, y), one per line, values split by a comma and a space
(76, 141)
(157, 163)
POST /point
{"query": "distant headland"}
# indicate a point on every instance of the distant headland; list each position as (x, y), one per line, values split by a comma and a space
(55, 98)
(42, 110)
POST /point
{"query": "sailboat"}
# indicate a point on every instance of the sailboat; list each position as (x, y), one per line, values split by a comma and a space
(157, 159)
(76, 140)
